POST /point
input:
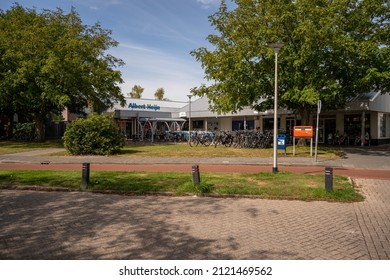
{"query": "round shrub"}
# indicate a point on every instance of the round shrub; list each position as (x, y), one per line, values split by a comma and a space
(96, 135)
(24, 131)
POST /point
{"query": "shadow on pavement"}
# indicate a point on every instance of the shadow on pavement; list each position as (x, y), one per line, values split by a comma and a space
(52, 227)
(382, 151)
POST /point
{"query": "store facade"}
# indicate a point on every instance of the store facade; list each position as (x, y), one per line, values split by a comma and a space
(149, 119)
(367, 114)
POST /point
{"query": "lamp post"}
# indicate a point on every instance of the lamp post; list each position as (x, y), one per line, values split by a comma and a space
(276, 47)
(319, 105)
(189, 117)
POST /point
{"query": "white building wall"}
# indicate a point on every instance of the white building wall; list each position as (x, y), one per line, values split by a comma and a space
(225, 123)
(258, 122)
(381, 103)
(283, 122)
(374, 125)
(261, 123)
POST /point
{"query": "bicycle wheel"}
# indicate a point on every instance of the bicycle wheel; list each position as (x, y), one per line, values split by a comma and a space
(193, 142)
(207, 141)
(217, 141)
(228, 142)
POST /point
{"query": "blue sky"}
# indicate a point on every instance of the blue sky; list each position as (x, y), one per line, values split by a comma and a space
(155, 38)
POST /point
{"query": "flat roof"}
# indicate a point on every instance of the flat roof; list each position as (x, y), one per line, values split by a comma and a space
(163, 119)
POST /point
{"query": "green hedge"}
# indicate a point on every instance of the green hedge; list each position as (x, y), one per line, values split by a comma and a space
(96, 135)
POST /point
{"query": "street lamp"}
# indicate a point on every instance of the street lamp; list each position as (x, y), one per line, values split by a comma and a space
(276, 47)
(189, 117)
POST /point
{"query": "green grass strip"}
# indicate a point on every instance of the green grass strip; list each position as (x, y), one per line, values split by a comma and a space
(282, 185)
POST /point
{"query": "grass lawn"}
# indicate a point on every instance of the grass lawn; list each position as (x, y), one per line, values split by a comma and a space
(176, 150)
(184, 150)
(10, 147)
(282, 185)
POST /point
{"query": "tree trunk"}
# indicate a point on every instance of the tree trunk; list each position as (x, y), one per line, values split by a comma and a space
(306, 117)
(9, 128)
(39, 129)
(306, 120)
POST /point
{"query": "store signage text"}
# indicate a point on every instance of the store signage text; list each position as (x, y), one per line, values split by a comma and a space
(144, 106)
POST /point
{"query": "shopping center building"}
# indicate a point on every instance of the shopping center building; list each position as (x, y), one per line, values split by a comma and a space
(153, 119)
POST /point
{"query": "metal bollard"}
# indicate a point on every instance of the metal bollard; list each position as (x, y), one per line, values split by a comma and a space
(85, 175)
(328, 179)
(195, 174)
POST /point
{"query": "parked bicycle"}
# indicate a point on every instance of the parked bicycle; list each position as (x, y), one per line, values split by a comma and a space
(255, 139)
(250, 139)
(223, 138)
(200, 138)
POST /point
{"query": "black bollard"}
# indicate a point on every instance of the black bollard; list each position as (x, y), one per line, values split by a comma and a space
(196, 175)
(328, 179)
(85, 175)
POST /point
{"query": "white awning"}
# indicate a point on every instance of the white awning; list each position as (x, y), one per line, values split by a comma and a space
(162, 120)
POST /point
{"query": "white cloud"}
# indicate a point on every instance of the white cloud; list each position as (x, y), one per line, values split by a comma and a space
(208, 3)
(137, 48)
(96, 5)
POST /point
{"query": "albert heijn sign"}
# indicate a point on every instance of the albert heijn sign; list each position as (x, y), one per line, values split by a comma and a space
(303, 131)
(153, 107)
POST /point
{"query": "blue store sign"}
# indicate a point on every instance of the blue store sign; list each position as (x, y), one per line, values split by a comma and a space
(153, 107)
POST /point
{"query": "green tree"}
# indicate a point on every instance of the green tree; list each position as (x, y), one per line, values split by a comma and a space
(333, 50)
(159, 94)
(136, 91)
(50, 61)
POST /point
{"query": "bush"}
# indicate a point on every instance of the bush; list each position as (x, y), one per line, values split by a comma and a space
(96, 135)
(24, 131)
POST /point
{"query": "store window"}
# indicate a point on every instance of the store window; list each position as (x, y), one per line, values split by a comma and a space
(198, 125)
(290, 123)
(241, 125)
(384, 125)
(268, 124)
(353, 125)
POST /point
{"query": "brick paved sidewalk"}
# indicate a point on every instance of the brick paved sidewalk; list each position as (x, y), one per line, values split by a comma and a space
(77, 225)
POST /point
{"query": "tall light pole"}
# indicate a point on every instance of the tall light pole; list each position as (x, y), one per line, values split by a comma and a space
(319, 105)
(189, 117)
(276, 47)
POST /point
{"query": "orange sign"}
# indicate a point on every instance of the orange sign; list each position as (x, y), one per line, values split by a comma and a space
(303, 131)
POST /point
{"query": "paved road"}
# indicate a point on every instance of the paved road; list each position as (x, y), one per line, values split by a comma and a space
(76, 225)
(80, 225)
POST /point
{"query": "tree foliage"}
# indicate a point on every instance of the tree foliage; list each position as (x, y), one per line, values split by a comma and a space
(50, 60)
(333, 50)
(136, 91)
(96, 135)
(159, 94)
